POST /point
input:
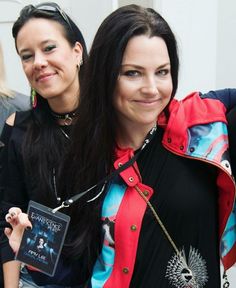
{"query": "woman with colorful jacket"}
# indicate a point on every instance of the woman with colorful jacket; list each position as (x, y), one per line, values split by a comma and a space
(160, 211)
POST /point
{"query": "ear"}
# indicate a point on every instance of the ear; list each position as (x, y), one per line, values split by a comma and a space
(78, 51)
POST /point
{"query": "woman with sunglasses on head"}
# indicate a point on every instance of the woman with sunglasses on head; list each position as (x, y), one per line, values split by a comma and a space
(53, 55)
(166, 207)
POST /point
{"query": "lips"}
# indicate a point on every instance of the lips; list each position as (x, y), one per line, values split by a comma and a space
(44, 76)
(147, 101)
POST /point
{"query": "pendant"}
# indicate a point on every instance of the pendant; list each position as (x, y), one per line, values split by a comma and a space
(187, 274)
(68, 120)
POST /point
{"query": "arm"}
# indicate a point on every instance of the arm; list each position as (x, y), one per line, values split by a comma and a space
(226, 96)
(18, 221)
(11, 274)
(12, 187)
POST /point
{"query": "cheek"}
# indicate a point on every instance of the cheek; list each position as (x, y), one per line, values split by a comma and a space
(124, 91)
(119, 98)
(167, 90)
(68, 57)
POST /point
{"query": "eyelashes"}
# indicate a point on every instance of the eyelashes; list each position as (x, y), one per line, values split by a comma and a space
(137, 73)
(27, 56)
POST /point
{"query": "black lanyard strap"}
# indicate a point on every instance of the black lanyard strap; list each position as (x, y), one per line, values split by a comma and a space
(105, 180)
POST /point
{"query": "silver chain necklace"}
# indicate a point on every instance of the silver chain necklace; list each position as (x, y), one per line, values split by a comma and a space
(180, 272)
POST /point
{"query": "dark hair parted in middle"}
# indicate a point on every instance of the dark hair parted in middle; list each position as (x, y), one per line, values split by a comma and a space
(71, 30)
(94, 139)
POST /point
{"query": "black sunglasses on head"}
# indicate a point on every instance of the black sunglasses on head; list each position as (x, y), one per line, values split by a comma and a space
(52, 7)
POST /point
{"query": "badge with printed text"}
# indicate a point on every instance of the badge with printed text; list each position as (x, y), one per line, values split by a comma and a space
(41, 246)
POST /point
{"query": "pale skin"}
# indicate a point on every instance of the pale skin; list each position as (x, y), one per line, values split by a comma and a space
(143, 90)
(51, 66)
(50, 63)
(19, 221)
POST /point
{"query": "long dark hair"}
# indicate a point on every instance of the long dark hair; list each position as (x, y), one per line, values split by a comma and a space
(92, 153)
(43, 146)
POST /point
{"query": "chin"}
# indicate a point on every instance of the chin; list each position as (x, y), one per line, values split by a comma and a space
(49, 95)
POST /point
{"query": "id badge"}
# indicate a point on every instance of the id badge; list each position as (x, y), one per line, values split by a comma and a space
(41, 246)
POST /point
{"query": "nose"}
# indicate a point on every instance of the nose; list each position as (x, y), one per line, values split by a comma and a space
(149, 86)
(39, 61)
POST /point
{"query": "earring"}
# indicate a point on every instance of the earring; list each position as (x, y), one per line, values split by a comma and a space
(33, 98)
(80, 64)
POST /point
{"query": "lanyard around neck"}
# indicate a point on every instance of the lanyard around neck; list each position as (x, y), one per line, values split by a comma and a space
(105, 180)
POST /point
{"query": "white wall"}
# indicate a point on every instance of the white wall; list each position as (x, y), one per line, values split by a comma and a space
(195, 26)
(89, 14)
(226, 44)
(9, 11)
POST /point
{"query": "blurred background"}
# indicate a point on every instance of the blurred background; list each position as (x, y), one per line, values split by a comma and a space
(205, 31)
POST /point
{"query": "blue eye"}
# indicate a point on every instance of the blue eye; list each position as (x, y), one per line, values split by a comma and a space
(131, 73)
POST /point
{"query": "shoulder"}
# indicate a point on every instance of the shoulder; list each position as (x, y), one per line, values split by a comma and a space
(19, 119)
(197, 107)
(15, 128)
(11, 119)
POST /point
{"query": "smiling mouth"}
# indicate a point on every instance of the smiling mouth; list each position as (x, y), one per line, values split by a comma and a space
(147, 102)
(45, 77)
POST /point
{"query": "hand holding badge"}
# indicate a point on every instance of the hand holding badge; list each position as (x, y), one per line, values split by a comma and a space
(41, 246)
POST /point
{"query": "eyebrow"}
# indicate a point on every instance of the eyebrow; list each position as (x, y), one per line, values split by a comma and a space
(141, 67)
(42, 43)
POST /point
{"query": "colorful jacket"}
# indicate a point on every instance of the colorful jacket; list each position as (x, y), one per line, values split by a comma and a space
(196, 129)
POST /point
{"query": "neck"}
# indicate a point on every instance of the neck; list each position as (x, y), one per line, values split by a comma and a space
(132, 137)
(62, 107)
(64, 111)
(65, 118)
(65, 103)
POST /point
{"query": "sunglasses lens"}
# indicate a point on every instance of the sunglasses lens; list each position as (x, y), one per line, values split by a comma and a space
(52, 8)
(47, 8)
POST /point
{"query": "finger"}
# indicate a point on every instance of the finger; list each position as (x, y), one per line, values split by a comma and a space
(12, 220)
(14, 211)
(8, 232)
(8, 217)
(24, 220)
